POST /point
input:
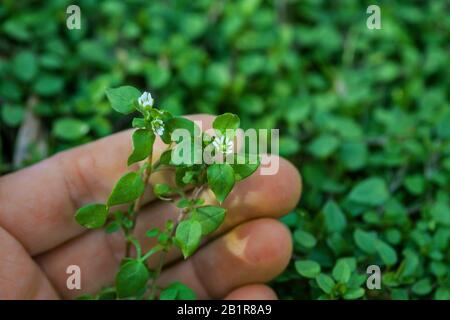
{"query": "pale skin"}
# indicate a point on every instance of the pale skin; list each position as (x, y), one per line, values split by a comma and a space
(39, 237)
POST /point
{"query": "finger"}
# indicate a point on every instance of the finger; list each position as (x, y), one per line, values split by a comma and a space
(39, 202)
(20, 277)
(252, 292)
(255, 197)
(99, 254)
(254, 252)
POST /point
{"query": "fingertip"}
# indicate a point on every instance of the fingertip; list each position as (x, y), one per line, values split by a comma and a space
(264, 243)
(252, 292)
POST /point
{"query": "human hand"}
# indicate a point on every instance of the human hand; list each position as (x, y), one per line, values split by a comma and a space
(39, 237)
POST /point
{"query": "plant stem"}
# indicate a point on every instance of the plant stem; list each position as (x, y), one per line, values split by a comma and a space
(162, 257)
(138, 203)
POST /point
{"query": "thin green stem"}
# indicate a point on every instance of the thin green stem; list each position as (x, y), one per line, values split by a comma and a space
(138, 203)
(183, 212)
(132, 240)
(151, 252)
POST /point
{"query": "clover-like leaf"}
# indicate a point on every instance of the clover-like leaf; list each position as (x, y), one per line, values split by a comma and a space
(131, 279)
(210, 218)
(354, 293)
(25, 65)
(179, 123)
(221, 180)
(129, 187)
(187, 236)
(307, 268)
(162, 190)
(143, 140)
(372, 192)
(386, 252)
(335, 220)
(325, 282)
(422, 287)
(92, 216)
(177, 291)
(139, 123)
(122, 99)
(365, 240)
(226, 121)
(341, 271)
(244, 166)
(305, 239)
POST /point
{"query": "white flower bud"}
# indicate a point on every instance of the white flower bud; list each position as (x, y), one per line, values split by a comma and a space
(158, 127)
(146, 100)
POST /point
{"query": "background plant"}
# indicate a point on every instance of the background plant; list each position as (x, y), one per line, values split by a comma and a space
(363, 113)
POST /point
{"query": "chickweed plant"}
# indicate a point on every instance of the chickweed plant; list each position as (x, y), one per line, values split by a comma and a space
(135, 279)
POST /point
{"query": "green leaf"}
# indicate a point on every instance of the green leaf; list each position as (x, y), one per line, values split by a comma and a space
(226, 121)
(92, 216)
(354, 293)
(112, 227)
(139, 123)
(12, 115)
(108, 293)
(442, 294)
(152, 232)
(409, 265)
(177, 291)
(48, 85)
(122, 99)
(131, 280)
(399, 294)
(415, 184)
(341, 271)
(210, 218)
(440, 212)
(220, 180)
(175, 123)
(323, 146)
(187, 236)
(305, 239)
(422, 287)
(372, 192)
(243, 167)
(129, 187)
(335, 220)
(24, 65)
(184, 203)
(143, 140)
(353, 155)
(325, 282)
(386, 252)
(365, 240)
(162, 190)
(70, 129)
(307, 268)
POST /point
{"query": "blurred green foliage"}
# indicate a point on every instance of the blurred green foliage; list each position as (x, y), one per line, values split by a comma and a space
(364, 114)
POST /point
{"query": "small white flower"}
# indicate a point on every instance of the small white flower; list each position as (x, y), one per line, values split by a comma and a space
(158, 127)
(146, 100)
(223, 144)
